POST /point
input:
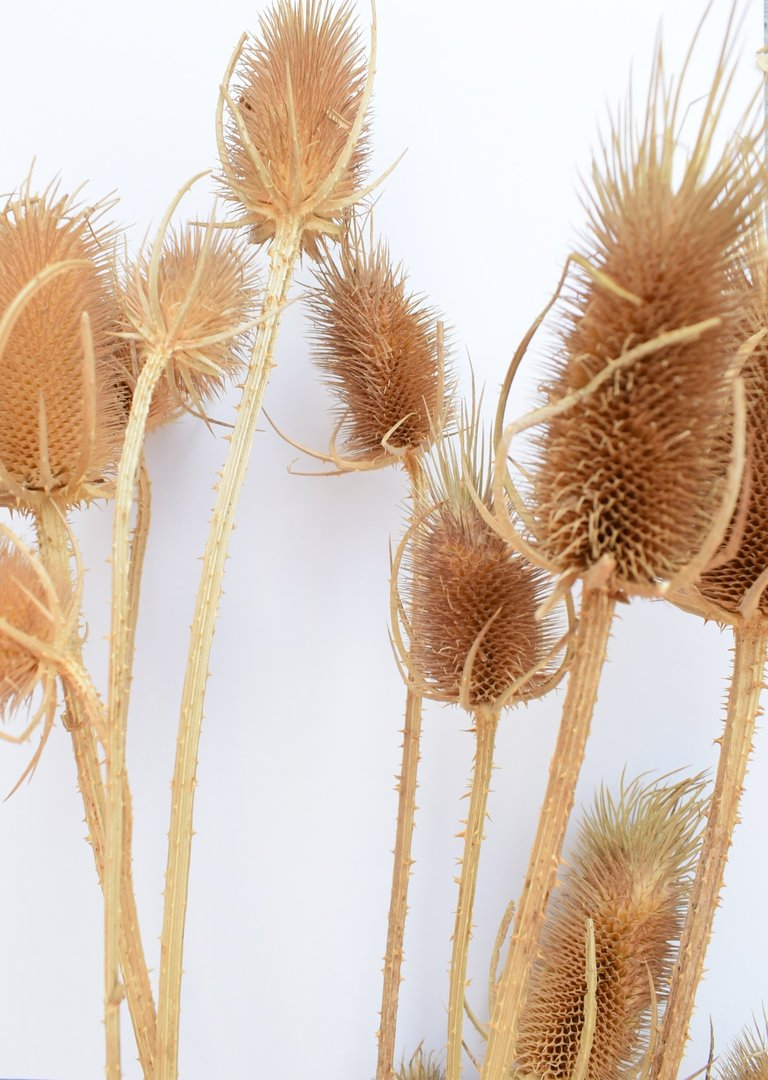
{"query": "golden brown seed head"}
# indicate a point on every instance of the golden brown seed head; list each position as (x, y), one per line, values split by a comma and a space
(420, 1068)
(296, 92)
(61, 424)
(192, 303)
(376, 344)
(636, 470)
(747, 1059)
(631, 875)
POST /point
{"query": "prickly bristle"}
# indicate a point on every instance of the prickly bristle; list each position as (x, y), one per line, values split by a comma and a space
(728, 585)
(420, 1067)
(637, 469)
(631, 875)
(747, 1059)
(376, 344)
(46, 444)
(298, 86)
(206, 292)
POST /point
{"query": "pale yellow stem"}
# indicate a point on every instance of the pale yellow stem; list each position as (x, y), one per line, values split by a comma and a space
(486, 723)
(589, 647)
(283, 254)
(735, 748)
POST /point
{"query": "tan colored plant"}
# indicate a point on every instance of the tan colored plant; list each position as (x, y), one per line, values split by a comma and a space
(747, 1058)
(420, 1067)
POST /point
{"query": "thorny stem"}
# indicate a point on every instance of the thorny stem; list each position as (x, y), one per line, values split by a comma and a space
(589, 647)
(401, 872)
(283, 254)
(486, 724)
(735, 748)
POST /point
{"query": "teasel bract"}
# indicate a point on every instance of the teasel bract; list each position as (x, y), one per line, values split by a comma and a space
(630, 876)
(420, 1067)
(747, 1058)
(732, 592)
(292, 138)
(631, 483)
(467, 605)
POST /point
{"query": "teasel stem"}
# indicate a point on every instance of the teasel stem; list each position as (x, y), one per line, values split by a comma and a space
(589, 648)
(401, 871)
(751, 642)
(486, 725)
(53, 543)
(283, 254)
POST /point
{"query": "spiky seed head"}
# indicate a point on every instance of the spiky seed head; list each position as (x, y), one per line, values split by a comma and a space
(296, 92)
(376, 344)
(464, 587)
(420, 1067)
(194, 304)
(636, 470)
(631, 875)
(61, 424)
(728, 585)
(747, 1059)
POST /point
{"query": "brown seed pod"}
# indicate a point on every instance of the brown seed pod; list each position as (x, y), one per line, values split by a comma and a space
(295, 142)
(747, 1058)
(377, 345)
(630, 874)
(420, 1067)
(61, 423)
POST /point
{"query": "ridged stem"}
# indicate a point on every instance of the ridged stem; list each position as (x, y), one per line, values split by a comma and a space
(589, 647)
(283, 254)
(735, 748)
(486, 724)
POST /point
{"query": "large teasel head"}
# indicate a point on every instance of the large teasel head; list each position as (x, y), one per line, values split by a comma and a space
(381, 349)
(629, 468)
(747, 1058)
(630, 874)
(61, 421)
(294, 141)
(471, 602)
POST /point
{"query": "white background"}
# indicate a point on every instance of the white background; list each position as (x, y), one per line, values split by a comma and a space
(499, 105)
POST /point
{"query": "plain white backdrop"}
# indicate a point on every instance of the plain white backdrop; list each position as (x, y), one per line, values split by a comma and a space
(499, 105)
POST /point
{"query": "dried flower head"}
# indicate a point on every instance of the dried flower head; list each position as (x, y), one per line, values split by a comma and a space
(295, 143)
(61, 423)
(377, 345)
(420, 1068)
(747, 1058)
(190, 297)
(471, 600)
(629, 461)
(631, 875)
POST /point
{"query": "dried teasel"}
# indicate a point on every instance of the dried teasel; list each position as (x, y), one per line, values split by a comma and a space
(381, 350)
(420, 1067)
(747, 1058)
(295, 140)
(630, 874)
(61, 421)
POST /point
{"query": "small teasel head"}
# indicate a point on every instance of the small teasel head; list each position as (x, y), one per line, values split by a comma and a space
(468, 603)
(629, 464)
(420, 1067)
(294, 143)
(631, 875)
(381, 350)
(747, 1058)
(61, 422)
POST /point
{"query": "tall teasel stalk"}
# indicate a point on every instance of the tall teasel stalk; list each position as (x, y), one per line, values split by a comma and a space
(733, 593)
(468, 605)
(291, 130)
(382, 352)
(630, 874)
(632, 485)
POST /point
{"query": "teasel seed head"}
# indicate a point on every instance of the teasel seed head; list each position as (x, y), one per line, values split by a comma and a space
(747, 1059)
(381, 352)
(420, 1067)
(629, 463)
(471, 602)
(61, 423)
(630, 874)
(295, 142)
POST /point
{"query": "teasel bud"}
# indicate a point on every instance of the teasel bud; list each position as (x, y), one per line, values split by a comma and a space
(295, 143)
(747, 1058)
(61, 423)
(382, 351)
(420, 1067)
(630, 874)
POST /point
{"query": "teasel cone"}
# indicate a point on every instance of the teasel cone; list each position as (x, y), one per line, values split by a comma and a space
(747, 1058)
(732, 592)
(631, 484)
(467, 605)
(382, 353)
(292, 136)
(630, 874)
(421, 1066)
